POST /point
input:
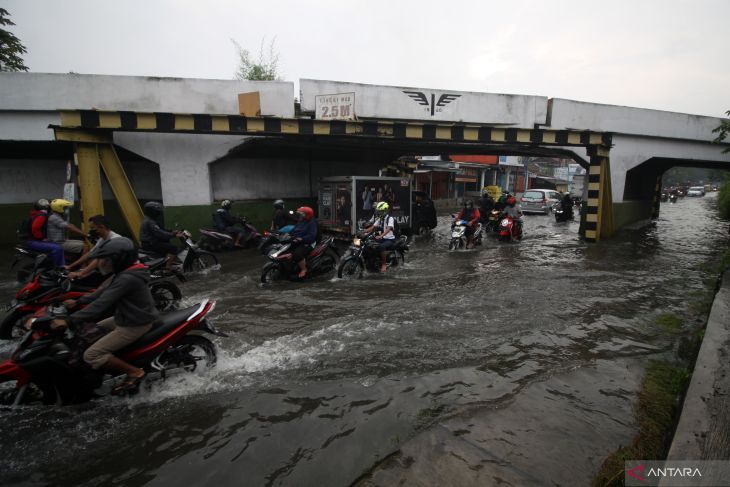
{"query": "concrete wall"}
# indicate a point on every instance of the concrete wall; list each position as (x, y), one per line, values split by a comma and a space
(570, 114)
(247, 179)
(376, 101)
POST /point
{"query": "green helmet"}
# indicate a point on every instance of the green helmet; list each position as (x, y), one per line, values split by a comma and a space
(382, 207)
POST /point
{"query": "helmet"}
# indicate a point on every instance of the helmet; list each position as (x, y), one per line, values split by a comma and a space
(469, 204)
(42, 204)
(511, 200)
(226, 204)
(306, 212)
(120, 251)
(60, 205)
(382, 207)
(279, 204)
(153, 209)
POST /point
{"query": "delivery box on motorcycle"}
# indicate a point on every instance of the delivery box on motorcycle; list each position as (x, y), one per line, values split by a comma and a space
(345, 203)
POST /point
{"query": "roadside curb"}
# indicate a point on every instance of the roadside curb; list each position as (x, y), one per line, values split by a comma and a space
(708, 390)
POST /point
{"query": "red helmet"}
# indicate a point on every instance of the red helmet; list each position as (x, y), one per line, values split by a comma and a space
(511, 200)
(306, 211)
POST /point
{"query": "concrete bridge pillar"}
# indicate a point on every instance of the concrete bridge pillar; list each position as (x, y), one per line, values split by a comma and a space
(599, 208)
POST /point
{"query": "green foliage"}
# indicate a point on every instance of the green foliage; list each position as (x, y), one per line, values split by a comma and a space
(722, 131)
(670, 322)
(658, 406)
(264, 69)
(723, 200)
(10, 47)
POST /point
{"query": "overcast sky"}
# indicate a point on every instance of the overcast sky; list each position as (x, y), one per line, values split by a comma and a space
(667, 55)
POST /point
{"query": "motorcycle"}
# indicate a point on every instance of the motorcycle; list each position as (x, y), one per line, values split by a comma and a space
(458, 235)
(47, 367)
(190, 259)
(672, 198)
(509, 230)
(48, 286)
(364, 254)
(492, 223)
(273, 238)
(321, 260)
(27, 258)
(213, 240)
(562, 215)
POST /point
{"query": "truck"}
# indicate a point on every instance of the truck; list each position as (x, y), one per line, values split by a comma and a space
(345, 203)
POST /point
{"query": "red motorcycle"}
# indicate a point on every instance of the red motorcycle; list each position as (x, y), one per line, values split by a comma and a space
(48, 286)
(321, 260)
(509, 230)
(48, 367)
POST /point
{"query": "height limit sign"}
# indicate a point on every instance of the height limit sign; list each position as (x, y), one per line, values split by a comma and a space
(335, 107)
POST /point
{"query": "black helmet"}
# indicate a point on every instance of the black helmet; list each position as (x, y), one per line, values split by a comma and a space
(469, 204)
(153, 209)
(279, 204)
(120, 251)
(226, 204)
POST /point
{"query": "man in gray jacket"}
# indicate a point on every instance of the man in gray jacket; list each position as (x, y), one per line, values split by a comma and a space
(128, 292)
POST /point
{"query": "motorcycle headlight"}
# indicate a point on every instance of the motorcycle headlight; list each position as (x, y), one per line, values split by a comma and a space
(356, 242)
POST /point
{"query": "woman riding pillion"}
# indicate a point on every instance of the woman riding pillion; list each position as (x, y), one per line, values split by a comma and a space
(303, 236)
(128, 293)
(384, 224)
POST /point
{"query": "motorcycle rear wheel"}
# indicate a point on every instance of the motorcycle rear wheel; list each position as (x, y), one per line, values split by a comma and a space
(350, 268)
(166, 295)
(270, 273)
(32, 394)
(11, 326)
(189, 354)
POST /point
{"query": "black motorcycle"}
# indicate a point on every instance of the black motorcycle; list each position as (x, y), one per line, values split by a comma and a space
(190, 259)
(561, 214)
(321, 260)
(214, 240)
(364, 254)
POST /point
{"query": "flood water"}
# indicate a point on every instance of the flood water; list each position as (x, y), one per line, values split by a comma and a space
(530, 354)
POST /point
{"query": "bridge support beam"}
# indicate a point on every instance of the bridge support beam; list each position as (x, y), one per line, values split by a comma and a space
(657, 197)
(93, 153)
(599, 209)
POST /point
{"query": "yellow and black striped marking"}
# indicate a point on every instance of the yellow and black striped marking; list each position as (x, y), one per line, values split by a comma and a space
(91, 120)
(599, 207)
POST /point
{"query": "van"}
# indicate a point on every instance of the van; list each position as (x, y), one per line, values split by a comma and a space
(539, 200)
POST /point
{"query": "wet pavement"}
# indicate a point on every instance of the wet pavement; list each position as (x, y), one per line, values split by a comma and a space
(515, 350)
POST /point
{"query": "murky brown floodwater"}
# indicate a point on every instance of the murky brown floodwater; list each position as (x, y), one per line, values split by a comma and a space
(530, 354)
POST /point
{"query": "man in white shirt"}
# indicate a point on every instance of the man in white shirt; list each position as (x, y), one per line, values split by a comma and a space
(384, 225)
(99, 225)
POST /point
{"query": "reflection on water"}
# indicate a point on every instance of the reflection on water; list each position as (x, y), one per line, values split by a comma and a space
(319, 382)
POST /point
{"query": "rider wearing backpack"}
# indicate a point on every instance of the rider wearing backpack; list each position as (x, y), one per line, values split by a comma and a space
(33, 231)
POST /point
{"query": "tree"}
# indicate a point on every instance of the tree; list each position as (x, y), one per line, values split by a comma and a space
(10, 47)
(722, 131)
(265, 69)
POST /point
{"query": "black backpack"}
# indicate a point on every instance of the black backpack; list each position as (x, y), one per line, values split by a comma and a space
(25, 228)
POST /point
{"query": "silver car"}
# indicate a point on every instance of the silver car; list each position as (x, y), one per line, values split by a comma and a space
(539, 200)
(696, 191)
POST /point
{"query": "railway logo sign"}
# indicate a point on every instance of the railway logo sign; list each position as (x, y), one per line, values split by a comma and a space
(432, 105)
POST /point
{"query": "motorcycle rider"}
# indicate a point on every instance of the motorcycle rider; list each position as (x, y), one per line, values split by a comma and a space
(127, 291)
(486, 204)
(98, 226)
(384, 224)
(303, 236)
(153, 237)
(35, 233)
(472, 216)
(281, 218)
(58, 226)
(566, 204)
(514, 211)
(226, 223)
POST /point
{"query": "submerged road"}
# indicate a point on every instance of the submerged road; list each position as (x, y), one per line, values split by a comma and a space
(512, 362)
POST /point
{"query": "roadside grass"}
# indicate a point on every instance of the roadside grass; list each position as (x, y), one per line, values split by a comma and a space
(655, 414)
(670, 322)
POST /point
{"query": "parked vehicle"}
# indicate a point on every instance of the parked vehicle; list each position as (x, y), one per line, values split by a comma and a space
(190, 259)
(321, 260)
(508, 230)
(696, 191)
(48, 368)
(424, 213)
(364, 254)
(458, 235)
(212, 240)
(539, 200)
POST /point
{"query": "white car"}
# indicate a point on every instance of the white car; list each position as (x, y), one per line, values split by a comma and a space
(696, 191)
(539, 200)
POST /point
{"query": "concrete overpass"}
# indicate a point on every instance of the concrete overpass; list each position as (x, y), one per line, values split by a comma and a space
(189, 161)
